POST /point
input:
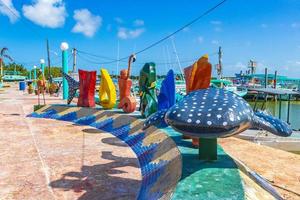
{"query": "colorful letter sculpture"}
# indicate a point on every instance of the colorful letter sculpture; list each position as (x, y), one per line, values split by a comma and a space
(166, 97)
(73, 86)
(107, 91)
(197, 77)
(87, 80)
(147, 84)
(127, 102)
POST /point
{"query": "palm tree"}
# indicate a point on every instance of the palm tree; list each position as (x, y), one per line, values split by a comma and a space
(3, 54)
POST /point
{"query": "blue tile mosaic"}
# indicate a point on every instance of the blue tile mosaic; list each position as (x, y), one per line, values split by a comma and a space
(145, 154)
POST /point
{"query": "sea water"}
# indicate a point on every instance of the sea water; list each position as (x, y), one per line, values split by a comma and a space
(273, 108)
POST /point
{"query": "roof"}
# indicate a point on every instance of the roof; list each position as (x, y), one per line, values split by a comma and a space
(221, 81)
(274, 91)
(272, 77)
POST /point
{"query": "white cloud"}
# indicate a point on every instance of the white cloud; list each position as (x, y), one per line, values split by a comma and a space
(46, 13)
(86, 22)
(216, 22)
(264, 26)
(218, 29)
(240, 66)
(124, 33)
(217, 25)
(293, 62)
(248, 43)
(7, 8)
(215, 42)
(119, 20)
(139, 22)
(186, 29)
(200, 39)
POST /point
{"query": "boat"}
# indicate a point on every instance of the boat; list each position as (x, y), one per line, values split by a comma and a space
(290, 144)
(11, 78)
(228, 85)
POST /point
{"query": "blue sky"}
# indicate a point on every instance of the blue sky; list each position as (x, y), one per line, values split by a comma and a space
(266, 31)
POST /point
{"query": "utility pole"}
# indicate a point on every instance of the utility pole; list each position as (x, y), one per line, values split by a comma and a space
(74, 60)
(252, 65)
(49, 63)
(219, 68)
(275, 80)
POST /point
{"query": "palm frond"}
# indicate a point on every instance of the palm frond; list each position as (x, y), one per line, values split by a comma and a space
(7, 56)
(3, 50)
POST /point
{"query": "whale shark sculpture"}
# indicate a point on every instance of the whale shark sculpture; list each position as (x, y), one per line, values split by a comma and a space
(213, 112)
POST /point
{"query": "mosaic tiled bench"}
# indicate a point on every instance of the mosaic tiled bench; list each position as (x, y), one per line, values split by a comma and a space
(159, 158)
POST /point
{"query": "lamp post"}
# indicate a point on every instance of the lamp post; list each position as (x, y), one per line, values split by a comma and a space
(42, 61)
(34, 76)
(64, 47)
(30, 74)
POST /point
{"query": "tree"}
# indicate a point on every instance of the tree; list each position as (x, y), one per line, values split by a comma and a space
(3, 54)
(17, 68)
(55, 72)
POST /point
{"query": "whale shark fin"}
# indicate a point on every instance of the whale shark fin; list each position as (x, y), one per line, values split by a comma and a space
(156, 119)
(271, 124)
(73, 86)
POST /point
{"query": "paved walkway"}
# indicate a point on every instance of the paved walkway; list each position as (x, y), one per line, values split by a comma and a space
(48, 159)
(279, 167)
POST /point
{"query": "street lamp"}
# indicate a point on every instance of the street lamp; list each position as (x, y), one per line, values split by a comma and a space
(34, 75)
(64, 47)
(42, 62)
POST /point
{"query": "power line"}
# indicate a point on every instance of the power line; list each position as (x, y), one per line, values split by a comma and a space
(168, 36)
(88, 60)
(97, 56)
(141, 63)
(183, 27)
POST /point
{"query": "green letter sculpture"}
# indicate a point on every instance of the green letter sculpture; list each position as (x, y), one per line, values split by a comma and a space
(147, 85)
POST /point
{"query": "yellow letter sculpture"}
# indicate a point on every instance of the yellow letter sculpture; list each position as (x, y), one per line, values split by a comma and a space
(107, 91)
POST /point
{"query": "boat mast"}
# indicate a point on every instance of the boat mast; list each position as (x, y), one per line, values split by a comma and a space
(118, 57)
(177, 57)
(49, 63)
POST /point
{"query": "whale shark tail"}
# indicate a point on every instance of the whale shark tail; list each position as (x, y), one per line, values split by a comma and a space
(156, 119)
(271, 124)
(73, 86)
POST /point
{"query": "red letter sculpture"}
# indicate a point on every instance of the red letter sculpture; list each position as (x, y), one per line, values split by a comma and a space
(87, 86)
